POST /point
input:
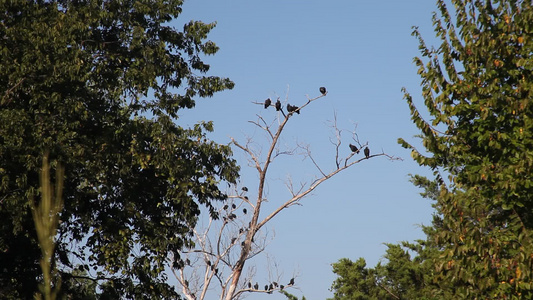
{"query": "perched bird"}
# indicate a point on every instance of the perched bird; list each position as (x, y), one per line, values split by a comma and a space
(266, 287)
(275, 284)
(241, 230)
(278, 105)
(249, 285)
(354, 148)
(267, 103)
(367, 152)
(281, 287)
(245, 189)
(244, 211)
(256, 286)
(233, 206)
(291, 282)
(225, 207)
(233, 240)
(291, 108)
(270, 287)
(323, 90)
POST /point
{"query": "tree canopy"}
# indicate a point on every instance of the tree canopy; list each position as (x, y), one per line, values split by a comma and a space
(477, 87)
(98, 84)
(477, 135)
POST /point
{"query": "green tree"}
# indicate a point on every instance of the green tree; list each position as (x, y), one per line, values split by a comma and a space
(400, 277)
(99, 85)
(478, 88)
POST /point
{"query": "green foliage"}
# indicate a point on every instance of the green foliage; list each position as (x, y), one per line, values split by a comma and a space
(399, 278)
(478, 89)
(94, 82)
(290, 296)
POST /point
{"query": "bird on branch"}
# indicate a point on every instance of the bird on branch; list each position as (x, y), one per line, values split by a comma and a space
(354, 148)
(278, 105)
(267, 102)
(291, 108)
(367, 152)
(323, 90)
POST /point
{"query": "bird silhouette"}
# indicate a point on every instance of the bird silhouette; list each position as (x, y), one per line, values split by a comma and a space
(291, 108)
(233, 206)
(354, 148)
(267, 102)
(270, 287)
(367, 152)
(323, 90)
(278, 105)
(245, 189)
(266, 287)
(291, 282)
(256, 286)
(281, 287)
(244, 211)
(249, 285)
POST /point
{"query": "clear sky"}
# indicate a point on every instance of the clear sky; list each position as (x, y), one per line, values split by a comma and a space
(362, 52)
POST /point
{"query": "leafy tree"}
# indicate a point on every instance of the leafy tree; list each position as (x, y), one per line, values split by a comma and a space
(478, 89)
(94, 82)
(399, 278)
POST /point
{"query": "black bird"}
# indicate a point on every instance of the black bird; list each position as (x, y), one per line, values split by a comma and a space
(245, 189)
(244, 211)
(225, 207)
(233, 206)
(266, 287)
(233, 240)
(270, 287)
(323, 90)
(290, 108)
(256, 286)
(278, 105)
(291, 282)
(354, 148)
(281, 287)
(241, 230)
(275, 284)
(367, 152)
(249, 285)
(267, 103)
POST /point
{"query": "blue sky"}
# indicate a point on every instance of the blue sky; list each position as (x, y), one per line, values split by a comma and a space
(362, 51)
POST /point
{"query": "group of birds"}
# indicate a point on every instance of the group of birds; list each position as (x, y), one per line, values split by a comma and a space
(272, 286)
(354, 149)
(290, 108)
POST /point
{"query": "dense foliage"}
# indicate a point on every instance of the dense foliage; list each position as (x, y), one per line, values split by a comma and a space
(94, 83)
(478, 89)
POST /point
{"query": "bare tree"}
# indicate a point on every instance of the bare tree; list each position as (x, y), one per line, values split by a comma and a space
(224, 245)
